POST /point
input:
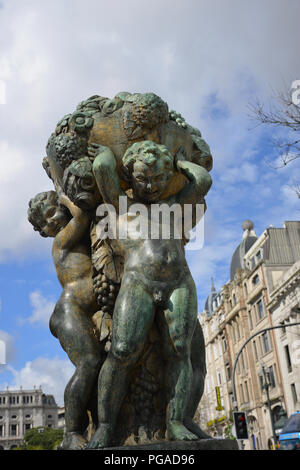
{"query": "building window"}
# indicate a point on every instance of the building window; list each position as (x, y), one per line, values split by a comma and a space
(242, 360)
(242, 394)
(238, 328)
(261, 381)
(288, 358)
(246, 391)
(1, 430)
(234, 299)
(258, 255)
(13, 430)
(266, 343)
(294, 393)
(271, 377)
(224, 344)
(260, 309)
(255, 350)
(27, 426)
(233, 332)
(228, 371)
(255, 280)
(250, 319)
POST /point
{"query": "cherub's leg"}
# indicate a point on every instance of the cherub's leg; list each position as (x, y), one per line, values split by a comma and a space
(178, 324)
(74, 330)
(199, 372)
(132, 319)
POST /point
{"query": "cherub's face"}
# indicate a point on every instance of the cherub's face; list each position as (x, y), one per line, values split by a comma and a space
(54, 218)
(149, 182)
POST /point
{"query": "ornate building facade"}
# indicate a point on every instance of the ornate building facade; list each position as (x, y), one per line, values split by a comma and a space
(263, 292)
(21, 410)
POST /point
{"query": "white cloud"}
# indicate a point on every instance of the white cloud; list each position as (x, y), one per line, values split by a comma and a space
(7, 352)
(51, 374)
(184, 52)
(42, 308)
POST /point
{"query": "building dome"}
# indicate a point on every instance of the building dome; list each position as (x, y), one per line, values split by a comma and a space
(249, 238)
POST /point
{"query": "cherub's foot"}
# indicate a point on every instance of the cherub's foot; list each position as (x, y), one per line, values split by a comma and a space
(101, 438)
(72, 441)
(194, 428)
(178, 432)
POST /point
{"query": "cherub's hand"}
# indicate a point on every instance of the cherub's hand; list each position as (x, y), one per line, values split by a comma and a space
(95, 149)
(63, 199)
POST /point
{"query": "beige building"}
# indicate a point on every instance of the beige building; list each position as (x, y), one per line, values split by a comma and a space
(248, 306)
(21, 410)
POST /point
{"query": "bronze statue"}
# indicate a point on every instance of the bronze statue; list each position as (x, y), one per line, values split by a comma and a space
(128, 311)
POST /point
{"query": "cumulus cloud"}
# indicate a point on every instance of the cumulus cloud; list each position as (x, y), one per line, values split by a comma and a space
(185, 52)
(51, 374)
(7, 349)
(42, 308)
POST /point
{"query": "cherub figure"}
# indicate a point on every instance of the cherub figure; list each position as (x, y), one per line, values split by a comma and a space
(156, 286)
(71, 320)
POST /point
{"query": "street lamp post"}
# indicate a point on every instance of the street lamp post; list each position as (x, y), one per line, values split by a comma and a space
(235, 403)
(266, 385)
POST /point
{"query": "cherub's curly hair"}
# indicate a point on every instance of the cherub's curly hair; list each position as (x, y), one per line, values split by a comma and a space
(149, 153)
(66, 147)
(35, 205)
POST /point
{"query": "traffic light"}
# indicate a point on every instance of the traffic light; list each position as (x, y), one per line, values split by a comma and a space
(240, 424)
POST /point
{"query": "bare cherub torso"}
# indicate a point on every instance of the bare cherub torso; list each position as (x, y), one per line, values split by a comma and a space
(160, 263)
(74, 272)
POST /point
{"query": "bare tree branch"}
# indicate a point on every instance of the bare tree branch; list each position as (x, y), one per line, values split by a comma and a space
(281, 113)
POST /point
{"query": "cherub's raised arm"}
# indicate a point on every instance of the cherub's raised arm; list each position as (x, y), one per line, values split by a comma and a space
(75, 211)
(105, 172)
(76, 228)
(199, 183)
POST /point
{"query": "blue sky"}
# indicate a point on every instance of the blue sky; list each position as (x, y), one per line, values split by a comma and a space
(207, 58)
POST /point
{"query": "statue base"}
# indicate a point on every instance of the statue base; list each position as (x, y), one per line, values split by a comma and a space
(201, 444)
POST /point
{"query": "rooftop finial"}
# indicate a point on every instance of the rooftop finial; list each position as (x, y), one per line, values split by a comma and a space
(248, 227)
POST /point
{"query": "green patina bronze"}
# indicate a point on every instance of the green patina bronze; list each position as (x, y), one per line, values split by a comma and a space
(127, 315)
